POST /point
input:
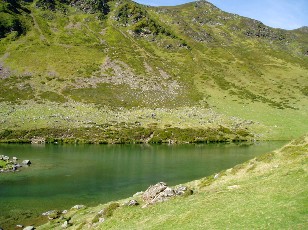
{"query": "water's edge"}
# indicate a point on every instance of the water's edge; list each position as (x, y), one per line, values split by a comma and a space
(65, 175)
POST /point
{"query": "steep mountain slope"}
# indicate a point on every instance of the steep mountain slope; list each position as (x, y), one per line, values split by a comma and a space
(97, 64)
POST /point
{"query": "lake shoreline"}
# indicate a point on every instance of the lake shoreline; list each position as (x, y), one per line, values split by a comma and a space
(105, 173)
(129, 135)
(217, 187)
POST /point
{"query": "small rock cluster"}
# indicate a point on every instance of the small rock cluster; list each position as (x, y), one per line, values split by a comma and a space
(160, 192)
(11, 165)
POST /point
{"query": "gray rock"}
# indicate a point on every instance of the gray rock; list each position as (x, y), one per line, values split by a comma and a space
(101, 220)
(29, 228)
(65, 224)
(26, 162)
(168, 192)
(132, 203)
(161, 192)
(78, 206)
(48, 213)
(183, 190)
(5, 158)
(19, 226)
(159, 198)
(101, 212)
(153, 191)
(15, 159)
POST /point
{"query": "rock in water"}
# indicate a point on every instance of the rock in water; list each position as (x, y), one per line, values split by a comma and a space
(26, 162)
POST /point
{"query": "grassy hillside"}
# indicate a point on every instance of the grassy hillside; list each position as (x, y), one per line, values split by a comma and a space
(266, 192)
(89, 64)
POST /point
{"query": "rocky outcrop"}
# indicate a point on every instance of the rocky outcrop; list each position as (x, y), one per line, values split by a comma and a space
(38, 140)
(11, 165)
(160, 192)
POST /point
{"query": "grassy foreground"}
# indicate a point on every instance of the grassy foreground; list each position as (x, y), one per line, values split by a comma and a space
(268, 192)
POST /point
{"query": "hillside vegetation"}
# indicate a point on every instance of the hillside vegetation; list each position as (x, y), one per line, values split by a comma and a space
(69, 67)
(266, 192)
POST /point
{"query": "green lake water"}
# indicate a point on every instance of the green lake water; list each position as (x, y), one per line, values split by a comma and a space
(62, 176)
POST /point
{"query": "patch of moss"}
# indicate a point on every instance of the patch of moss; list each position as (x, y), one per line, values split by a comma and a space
(52, 96)
(108, 211)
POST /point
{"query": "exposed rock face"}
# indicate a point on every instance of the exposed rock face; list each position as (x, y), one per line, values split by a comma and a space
(160, 192)
(153, 191)
(38, 140)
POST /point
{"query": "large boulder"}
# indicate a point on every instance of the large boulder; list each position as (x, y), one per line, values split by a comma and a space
(160, 192)
(153, 191)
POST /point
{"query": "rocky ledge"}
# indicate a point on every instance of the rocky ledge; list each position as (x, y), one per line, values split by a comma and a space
(160, 192)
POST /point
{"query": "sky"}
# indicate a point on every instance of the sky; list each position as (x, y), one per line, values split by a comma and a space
(285, 14)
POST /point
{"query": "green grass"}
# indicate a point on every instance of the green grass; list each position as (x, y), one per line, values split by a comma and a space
(268, 192)
(2, 164)
(116, 68)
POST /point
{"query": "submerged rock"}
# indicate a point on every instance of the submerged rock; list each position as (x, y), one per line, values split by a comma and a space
(26, 162)
(5, 158)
